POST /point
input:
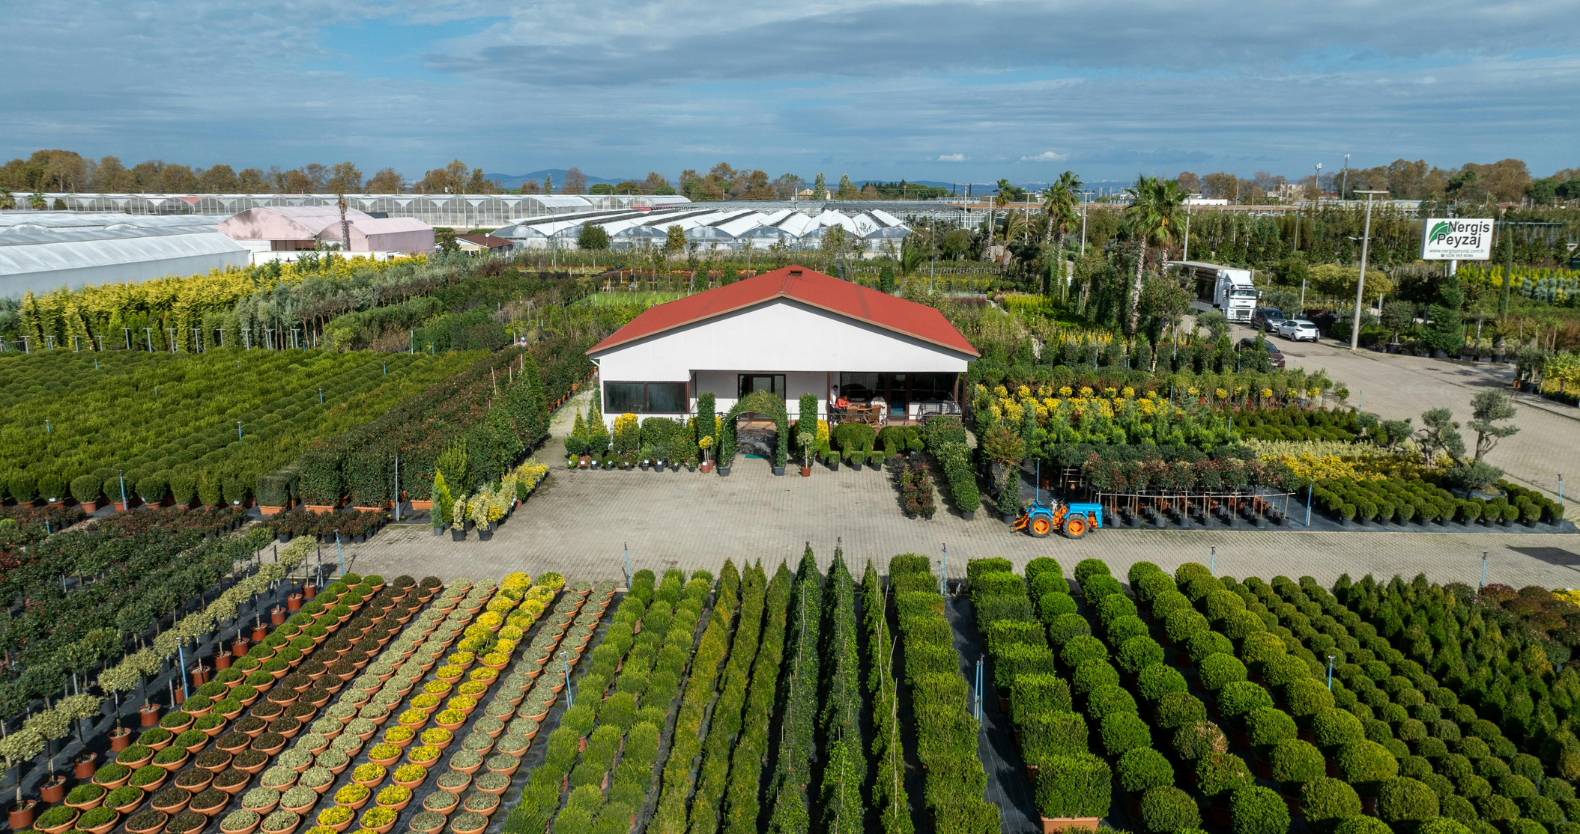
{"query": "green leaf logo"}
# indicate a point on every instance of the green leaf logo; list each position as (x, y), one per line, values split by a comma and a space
(1440, 230)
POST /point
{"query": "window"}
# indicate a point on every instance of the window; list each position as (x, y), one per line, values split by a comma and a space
(772, 383)
(645, 397)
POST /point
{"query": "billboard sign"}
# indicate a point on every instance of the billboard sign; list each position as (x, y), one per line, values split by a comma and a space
(1456, 239)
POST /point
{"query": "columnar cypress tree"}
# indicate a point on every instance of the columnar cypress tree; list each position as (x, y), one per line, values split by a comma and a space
(840, 722)
(725, 725)
(787, 791)
(889, 797)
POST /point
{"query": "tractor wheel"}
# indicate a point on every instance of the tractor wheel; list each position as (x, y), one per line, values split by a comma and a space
(1075, 527)
(1041, 526)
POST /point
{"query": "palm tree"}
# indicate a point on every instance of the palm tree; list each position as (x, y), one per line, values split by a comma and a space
(1151, 218)
(1059, 206)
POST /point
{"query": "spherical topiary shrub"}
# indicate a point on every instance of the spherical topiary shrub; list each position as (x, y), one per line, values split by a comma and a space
(1258, 649)
(1122, 731)
(1333, 728)
(1082, 648)
(1398, 748)
(1431, 748)
(1493, 769)
(1066, 627)
(1267, 726)
(1237, 699)
(1362, 825)
(1366, 765)
(1558, 790)
(1184, 624)
(1254, 810)
(1108, 700)
(1457, 807)
(1414, 767)
(1143, 769)
(1442, 825)
(1204, 644)
(1178, 709)
(1138, 653)
(1243, 624)
(1472, 786)
(1114, 606)
(1405, 800)
(1221, 774)
(1284, 670)
(1088, 568)
(1056, 603)
(1124, 628)
(1202, 738)
(1167, 603)
(1328, 801)
(1524, 826)
(1093, 675)
(1168, 809)
(1440, 785)
(1496, 808)
(1306, 698)
(1516, 787)
(1528, 766)
(1159, 680)
(1295, 763)
(1219, 670)
(1219, 604)
(1098, 587)
(1541, 809)
(1410, 730)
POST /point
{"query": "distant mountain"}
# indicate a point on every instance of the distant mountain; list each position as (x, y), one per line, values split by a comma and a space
(514, 181)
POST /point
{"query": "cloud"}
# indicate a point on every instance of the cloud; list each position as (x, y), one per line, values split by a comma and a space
(616, 86)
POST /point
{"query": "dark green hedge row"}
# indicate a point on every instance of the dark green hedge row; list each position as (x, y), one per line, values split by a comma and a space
(890, 799)
(725, 725)
(946, 732)
(706, 665)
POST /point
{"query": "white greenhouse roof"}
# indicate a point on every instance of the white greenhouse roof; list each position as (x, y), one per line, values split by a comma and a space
(44, 251)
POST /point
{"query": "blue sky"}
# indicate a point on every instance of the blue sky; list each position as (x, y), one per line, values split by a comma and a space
(950, 90)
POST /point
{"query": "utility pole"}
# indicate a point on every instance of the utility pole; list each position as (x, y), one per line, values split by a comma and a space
(1360, 282)
(1345, 181)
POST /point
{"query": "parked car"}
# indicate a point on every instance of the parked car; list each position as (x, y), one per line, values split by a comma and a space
(1267, 319)
(1273, 352)
(1298, 330)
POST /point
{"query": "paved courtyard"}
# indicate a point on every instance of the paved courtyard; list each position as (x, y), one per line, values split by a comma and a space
(581, 523)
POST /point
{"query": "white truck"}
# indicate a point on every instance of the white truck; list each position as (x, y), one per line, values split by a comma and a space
(1228, 288)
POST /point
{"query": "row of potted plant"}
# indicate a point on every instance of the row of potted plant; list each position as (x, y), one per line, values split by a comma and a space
(488, 507)
(946, 732)
(351, 526)
(618, 736)
(1450, 754)
(280, 672)
(397, 673)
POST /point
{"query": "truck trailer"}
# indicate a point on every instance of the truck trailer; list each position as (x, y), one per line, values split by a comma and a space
(1228, 288)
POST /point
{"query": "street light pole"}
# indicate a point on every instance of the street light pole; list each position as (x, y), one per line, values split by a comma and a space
(1360, 283)
(1345, 181)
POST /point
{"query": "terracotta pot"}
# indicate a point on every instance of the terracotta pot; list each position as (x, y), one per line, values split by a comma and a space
(293, 603)
(246, 830)
(234, 789)
(57, 829)
(53, 789)
(84, 765)
(1053, 825)
(148, 716)
(120, 739)
(222, 660)
(21, 817)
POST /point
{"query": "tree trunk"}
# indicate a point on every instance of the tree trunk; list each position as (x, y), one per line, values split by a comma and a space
(1135, 289)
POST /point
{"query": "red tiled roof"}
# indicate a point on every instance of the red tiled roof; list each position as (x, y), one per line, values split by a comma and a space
(808, 287)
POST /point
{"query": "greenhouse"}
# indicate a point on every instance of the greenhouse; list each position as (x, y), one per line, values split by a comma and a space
(45, 251)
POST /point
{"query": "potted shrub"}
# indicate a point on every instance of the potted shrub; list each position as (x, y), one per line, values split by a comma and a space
(57, 819)
(147, 822)
(1073, 791)
(239, 822)
(338, 817)
(280, 822)
(124, 799)
(86, 797)
(209, 802)
(379, 819)
(428, 822)
(469, 822)
(298, 800)
(441, 802)
(232, 781)
(98, 820)
(1257, 810)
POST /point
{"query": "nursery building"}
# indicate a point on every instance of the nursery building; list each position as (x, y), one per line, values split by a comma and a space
(883, 360)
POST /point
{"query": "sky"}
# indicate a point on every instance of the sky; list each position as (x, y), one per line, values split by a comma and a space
(947, 90)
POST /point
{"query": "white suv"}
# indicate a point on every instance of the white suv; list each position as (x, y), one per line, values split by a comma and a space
(1298, 330)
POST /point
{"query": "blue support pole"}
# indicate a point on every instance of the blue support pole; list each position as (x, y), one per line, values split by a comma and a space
(181, 650)
(1308, 504)
(1483, 572)
(627, 547)
(570, 699)
(1330, 673)
(341, 552)
(238, 429)
(123, 488)
(1212, 562)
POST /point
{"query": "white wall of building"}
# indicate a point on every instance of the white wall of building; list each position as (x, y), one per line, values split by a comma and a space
(811, 347)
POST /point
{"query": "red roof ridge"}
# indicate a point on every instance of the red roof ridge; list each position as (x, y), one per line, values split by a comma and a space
(804, 286)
